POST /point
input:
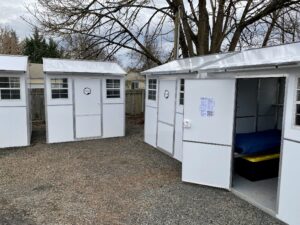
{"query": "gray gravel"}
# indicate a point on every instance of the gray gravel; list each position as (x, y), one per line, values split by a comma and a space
(111, 181)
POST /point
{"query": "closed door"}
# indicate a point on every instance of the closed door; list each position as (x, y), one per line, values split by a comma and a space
(166, 115)
(208, 132)
(87, 94)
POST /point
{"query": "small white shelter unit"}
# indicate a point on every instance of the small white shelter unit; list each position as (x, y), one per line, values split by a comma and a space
(84, 100)
(241, 127)
(165, 100)
(15, 121)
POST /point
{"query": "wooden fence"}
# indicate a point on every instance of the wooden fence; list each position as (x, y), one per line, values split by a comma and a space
(37, 105)
(134, 103)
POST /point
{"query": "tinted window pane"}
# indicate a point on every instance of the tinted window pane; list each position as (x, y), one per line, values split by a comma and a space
(10, 94)
(298, 120)
(298, 109)
(182, 85)
(4, 82)
(5, 94)
(298, 95)
(59, 93)
(152, 84)
(15, 94)
(152, 95)
(112, 83)
(113, 93)
(298, 83)
(59, 83)
(181, 101)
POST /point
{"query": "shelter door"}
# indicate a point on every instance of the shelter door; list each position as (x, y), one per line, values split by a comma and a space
(87, 92)
(166, 115)
(208, 132)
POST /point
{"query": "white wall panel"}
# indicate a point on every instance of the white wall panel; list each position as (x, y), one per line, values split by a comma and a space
(150, 125)
(178, 137)
(60, 123)
(14, 127)
(289, 198)
(113, 120)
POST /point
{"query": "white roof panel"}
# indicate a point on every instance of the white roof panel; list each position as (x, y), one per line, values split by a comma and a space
(13, 63)
(81, 66)
(288, 54)
(185, 65)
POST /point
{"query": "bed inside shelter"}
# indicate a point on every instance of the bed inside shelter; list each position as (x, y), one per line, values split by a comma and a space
(257, 140)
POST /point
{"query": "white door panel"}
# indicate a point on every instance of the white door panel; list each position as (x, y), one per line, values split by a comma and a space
(289, 198)
(167, 98)
(165, 138)
(207, 164)
(208, 132)
(87, 126)
(166, 115)
(218, 127)
(289, 195)
(87, 94)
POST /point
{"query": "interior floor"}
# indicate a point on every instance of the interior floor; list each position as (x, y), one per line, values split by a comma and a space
(262, 193)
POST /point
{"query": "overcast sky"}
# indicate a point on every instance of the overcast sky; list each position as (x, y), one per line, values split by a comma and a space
(11, 13)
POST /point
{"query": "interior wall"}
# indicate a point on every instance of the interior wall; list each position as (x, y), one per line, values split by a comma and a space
(259, 104)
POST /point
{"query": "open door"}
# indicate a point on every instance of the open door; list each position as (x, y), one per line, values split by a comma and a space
(289, 182)
(208, 132)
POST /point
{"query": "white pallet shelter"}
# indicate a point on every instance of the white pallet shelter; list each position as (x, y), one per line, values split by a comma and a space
(84, 100)
(213, 114)
(165, 99)
(15, 120)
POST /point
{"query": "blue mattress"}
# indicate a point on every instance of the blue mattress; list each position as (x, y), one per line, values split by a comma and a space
(259, 142)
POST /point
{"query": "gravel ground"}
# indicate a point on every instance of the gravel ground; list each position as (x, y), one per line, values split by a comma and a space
(111, 181)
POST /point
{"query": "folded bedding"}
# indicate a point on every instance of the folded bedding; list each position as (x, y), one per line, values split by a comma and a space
(259, 142)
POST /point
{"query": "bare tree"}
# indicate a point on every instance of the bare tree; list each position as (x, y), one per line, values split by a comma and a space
(9, 42)
(206, 26)
(81, 46)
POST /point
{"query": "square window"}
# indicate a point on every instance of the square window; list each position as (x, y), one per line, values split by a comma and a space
(113, 88)
(59, 88)
(10, 88)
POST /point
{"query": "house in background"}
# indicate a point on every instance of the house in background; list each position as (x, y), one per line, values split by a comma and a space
(36, 78)
(134, 81)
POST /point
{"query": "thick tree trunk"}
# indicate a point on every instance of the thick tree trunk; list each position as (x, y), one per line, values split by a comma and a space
(218, 29)
(203, 29)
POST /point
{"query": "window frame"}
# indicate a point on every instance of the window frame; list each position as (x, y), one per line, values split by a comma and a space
(135, 85)
(59, 88)
(10, 88)
(181, 92)
(152, 89)
(297, 102)
(113, 88)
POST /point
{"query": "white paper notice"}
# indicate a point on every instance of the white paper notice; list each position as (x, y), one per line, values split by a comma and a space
(207, 107)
